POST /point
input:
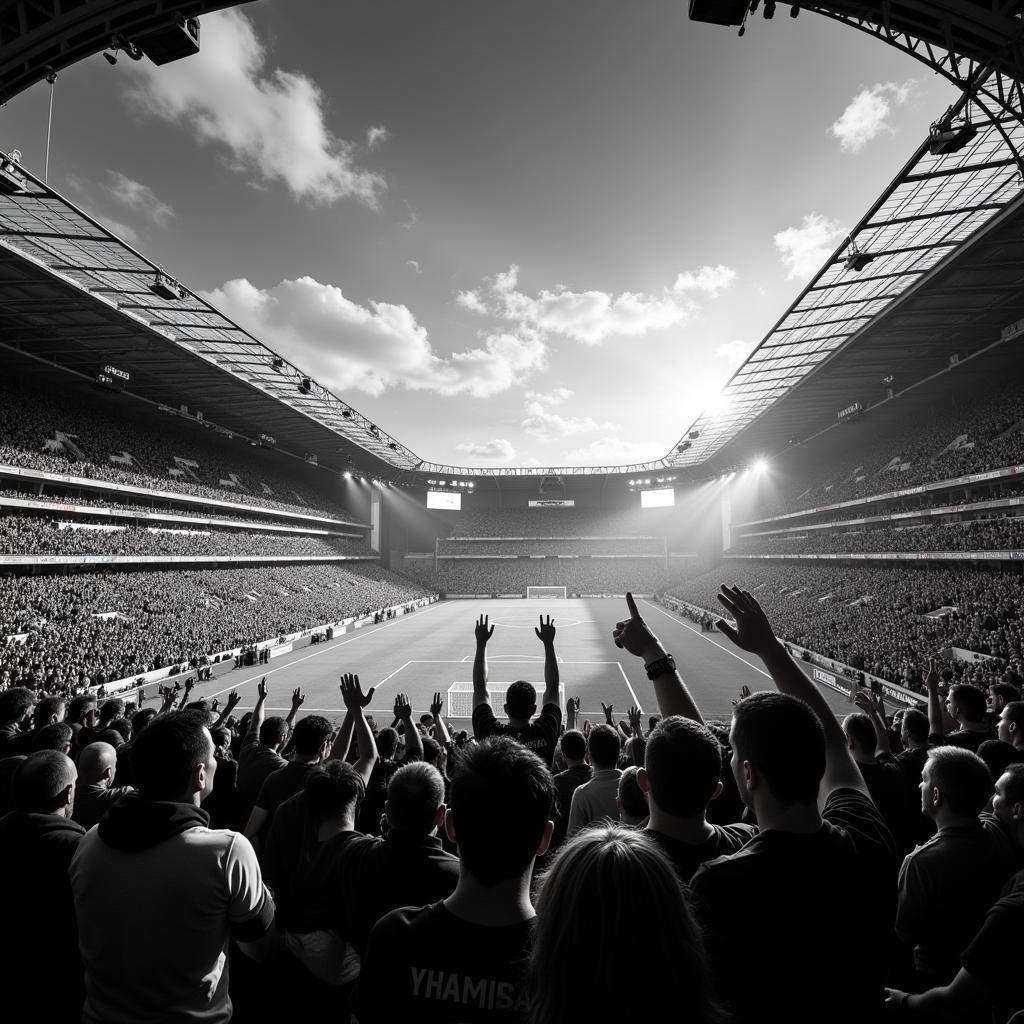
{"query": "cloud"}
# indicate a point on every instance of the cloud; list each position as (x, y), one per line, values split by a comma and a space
(542, 423)
(498, 450)
(805, 249)
(553, 397)
(867, 114)
(735, 351)
(615, 451)
(271, 121)
(414, 266)
(139, 198)
(83, 192)
(591, 316)
(374, 347)
(377, 136)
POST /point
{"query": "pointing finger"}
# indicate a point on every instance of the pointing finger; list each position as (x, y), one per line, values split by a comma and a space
(631, 605)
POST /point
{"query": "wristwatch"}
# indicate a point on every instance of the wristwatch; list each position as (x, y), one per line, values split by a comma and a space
(660, 667)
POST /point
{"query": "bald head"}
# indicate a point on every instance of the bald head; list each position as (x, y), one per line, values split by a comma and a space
(44, 783)
(97, 764)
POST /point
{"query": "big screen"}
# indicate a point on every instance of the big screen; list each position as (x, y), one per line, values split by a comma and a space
(664, 498)
(448, 500)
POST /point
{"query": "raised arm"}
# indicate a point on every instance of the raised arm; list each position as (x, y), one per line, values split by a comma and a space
(876, 712)
(232, 702)
(440, 729)
(939, 723)
(483, 634)
(546, 635)
(753, 633)
(572, 711)
(413, 739)
(256, 722)
(298, 699)
(635, 636)
(355, 702)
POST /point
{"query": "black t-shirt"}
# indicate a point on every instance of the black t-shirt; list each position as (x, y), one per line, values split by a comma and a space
(782, 944)
(687, 857)
(994, 957)
(430, 966)
(540, 735)
(566, 783)
(966, 738)
(372, 806)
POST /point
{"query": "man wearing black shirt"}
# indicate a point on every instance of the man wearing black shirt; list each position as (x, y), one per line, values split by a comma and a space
(463, 959)
(540, 735)
(962, 724)
(574, 750)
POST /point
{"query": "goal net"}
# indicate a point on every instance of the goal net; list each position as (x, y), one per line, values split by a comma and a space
(545, 593)
(460, 699)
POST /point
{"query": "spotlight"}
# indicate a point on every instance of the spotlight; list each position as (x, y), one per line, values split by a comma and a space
(305, 385)
(277, 362)
(347, 475)
(346, 414)
(393, 446)
(373, 430)
(760, 465)
(110, 58)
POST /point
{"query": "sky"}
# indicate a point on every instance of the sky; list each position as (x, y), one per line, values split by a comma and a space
(512, 234)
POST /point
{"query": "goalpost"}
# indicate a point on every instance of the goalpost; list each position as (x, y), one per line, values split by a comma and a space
(545, 593)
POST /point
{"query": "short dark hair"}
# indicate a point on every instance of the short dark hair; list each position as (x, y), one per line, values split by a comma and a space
(55, 736)
(521, 699)
(782, 737)
(39, 780)
(683, 762)
(631, 796)
(415, 792)
(332, 788)
(141, 719)
(574, 744)
(221, 736)
(1007, 691)
(431, 750)
(273, 731)
(15, 703)
(603, 745)
(1014, 783)
(962, 777)
(166, 752)
(122, 727)
(111, 709)
(310, 734)
(501, 799)
(998, 756)
(1014, 712)
(387, 742)
(859, 729)
(915, 722)
(970, 700)
(77, 707)
(45, 709)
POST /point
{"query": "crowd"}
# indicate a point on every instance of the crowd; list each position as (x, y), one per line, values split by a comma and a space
(562, 522)
(782, 866)
(888, 622)
(1002, 533)
(91, 628)
(564, 546)
(30, 419)
(577, 575)
(36, 535)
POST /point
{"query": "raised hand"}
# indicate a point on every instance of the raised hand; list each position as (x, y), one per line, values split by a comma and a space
(352, 693)
(546, 633)
(233, 700)
(215, 704)
(744, 694)
(752, 632)
(298, 699)
(932, 679)
(261, 690)
(572, 706)
(635, 720)
(587, 727)
(482, 632)
(866, 702)
(635, 636)
(607, 709)
(403, 709)
(437, 705)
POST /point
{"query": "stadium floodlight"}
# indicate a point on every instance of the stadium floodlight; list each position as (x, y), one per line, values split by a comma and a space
(346, 414)
(693, 435)
(347, 475)
(111, 58)
(946, 137)
(760, 465)
(856, 259)
(305, 385)
(277, 363)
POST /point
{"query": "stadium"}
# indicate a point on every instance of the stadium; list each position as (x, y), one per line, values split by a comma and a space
(718, 676)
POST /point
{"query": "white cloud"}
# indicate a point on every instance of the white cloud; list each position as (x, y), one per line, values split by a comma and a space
(544, 424)
(374, 347)
(498, 450)
(805, 249)
(735, 351)
(139, 198)
(377, 136)
(867, 115)
(591, 316)
(615, 451)
(553, 397)
(270, 120)
(414, 266)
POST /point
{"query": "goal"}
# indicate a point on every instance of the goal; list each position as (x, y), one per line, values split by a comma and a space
(545, 593)
(460, 699)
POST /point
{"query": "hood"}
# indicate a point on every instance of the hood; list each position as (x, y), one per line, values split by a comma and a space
(134, 824)
(20, 825)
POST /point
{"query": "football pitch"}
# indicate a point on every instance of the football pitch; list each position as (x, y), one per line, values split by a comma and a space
(432, 651)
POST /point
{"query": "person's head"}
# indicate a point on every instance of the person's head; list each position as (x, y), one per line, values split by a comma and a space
(860, 736)
(966, 704)
(1008, 802)
(416, 798)
(914, 728)
(273, 732)
(141, 719)
(433, 753)
(998, 756)
(173, 758)
(56, 736)
(123, 728)
(109, 710)
(955, 783)
(682, 767)
(631, 798)
(521, 701)
(1011, 723)
(44, 783)
(47, 711)
(600, 878)
(501, 798)
(97, 765)
(387, 743)
(82, 710)
(1002, 694)
(16, 705)
(603, 747)
(574, 747)
(778, 749)
(222, 740)
(334, 790)
(311, 738)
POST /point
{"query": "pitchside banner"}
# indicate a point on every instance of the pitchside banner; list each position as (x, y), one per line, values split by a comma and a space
(553, 503)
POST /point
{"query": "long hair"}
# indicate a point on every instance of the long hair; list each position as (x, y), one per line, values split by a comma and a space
(611, 907)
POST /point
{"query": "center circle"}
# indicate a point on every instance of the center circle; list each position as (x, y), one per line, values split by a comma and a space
(533, 623)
